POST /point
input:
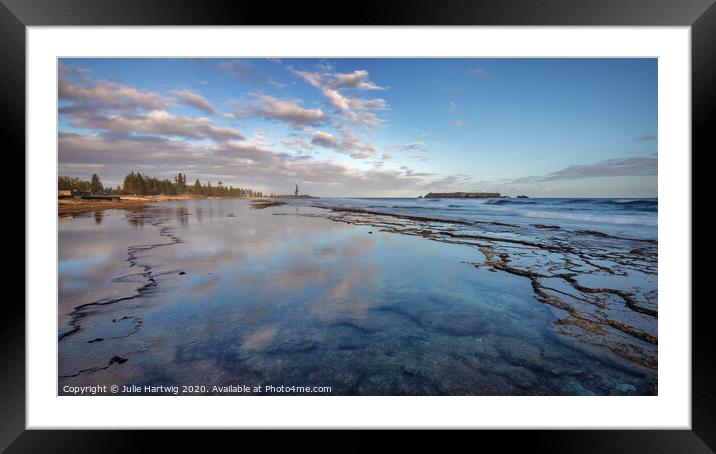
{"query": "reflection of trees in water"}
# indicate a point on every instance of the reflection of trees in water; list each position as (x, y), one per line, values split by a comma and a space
(216, 209)
(199, 213)
(136, 217)
(136, 221)
(182, 215)
(98, 216)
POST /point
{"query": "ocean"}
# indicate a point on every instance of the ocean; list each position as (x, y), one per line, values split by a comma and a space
(633, 218)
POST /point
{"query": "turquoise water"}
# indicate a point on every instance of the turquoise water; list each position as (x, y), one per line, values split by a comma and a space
(213, 293)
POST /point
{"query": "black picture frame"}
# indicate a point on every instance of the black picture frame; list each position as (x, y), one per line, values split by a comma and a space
(700, 15)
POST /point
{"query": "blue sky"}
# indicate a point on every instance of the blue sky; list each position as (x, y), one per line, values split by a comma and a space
(367, 127)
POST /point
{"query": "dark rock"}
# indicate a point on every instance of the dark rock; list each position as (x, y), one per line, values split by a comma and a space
(118, 360)
(293, 346)
(462, 195)
(457, 325)
(625, 387)
(181, 273)
(521, 353)
(547, 226)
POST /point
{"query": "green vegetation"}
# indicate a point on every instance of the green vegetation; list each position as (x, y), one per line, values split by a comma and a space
(72, 184)
(96, 184)
(136, 183)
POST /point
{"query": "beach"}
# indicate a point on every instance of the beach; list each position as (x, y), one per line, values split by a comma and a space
(71, 206)
(362, 297)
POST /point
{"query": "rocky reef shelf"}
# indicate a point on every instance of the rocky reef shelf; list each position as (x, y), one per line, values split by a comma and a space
(564, 268)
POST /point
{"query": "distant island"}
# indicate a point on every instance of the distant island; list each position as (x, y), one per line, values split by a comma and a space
(463, 195)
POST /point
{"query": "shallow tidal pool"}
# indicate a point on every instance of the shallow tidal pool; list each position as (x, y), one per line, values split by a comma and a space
(213, 293)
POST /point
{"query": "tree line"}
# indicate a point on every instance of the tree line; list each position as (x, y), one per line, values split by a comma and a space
(94, 184)
(136, 183)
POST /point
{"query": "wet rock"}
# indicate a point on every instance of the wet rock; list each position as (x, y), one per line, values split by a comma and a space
(547, 226)
(654, 386)
(566, 370)
(378, 380)
(458, 325)
(479, 345)
(348, 345)
(521, 353)
(472, 362)
(408, 371)
(574, 387)
(261, 204)
(625, 388)
(488, 349)
(348, 337)
(517, 376)
(293, 346)
(118, 360)
(122, 327)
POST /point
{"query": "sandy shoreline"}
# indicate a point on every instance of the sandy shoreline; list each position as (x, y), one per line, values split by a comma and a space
(68, 207)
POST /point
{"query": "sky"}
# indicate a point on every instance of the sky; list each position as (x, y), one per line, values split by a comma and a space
(366, 127)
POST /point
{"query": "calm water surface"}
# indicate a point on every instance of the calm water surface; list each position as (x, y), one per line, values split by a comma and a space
(212, 292)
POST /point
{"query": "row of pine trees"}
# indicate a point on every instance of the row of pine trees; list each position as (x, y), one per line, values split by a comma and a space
(136, 183)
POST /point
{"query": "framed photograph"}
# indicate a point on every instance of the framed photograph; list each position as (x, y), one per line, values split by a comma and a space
(424, 216)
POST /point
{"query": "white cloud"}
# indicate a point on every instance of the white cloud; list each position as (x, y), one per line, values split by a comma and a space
(359, 111)
(238, 163)
(110, 94)
(288, 111)
(609, 168)
(158, 122)
(298, 144)
(348, 144)
(357, 79)
(195, 100)
(619, 167)
(313, 79)
(410, 172)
